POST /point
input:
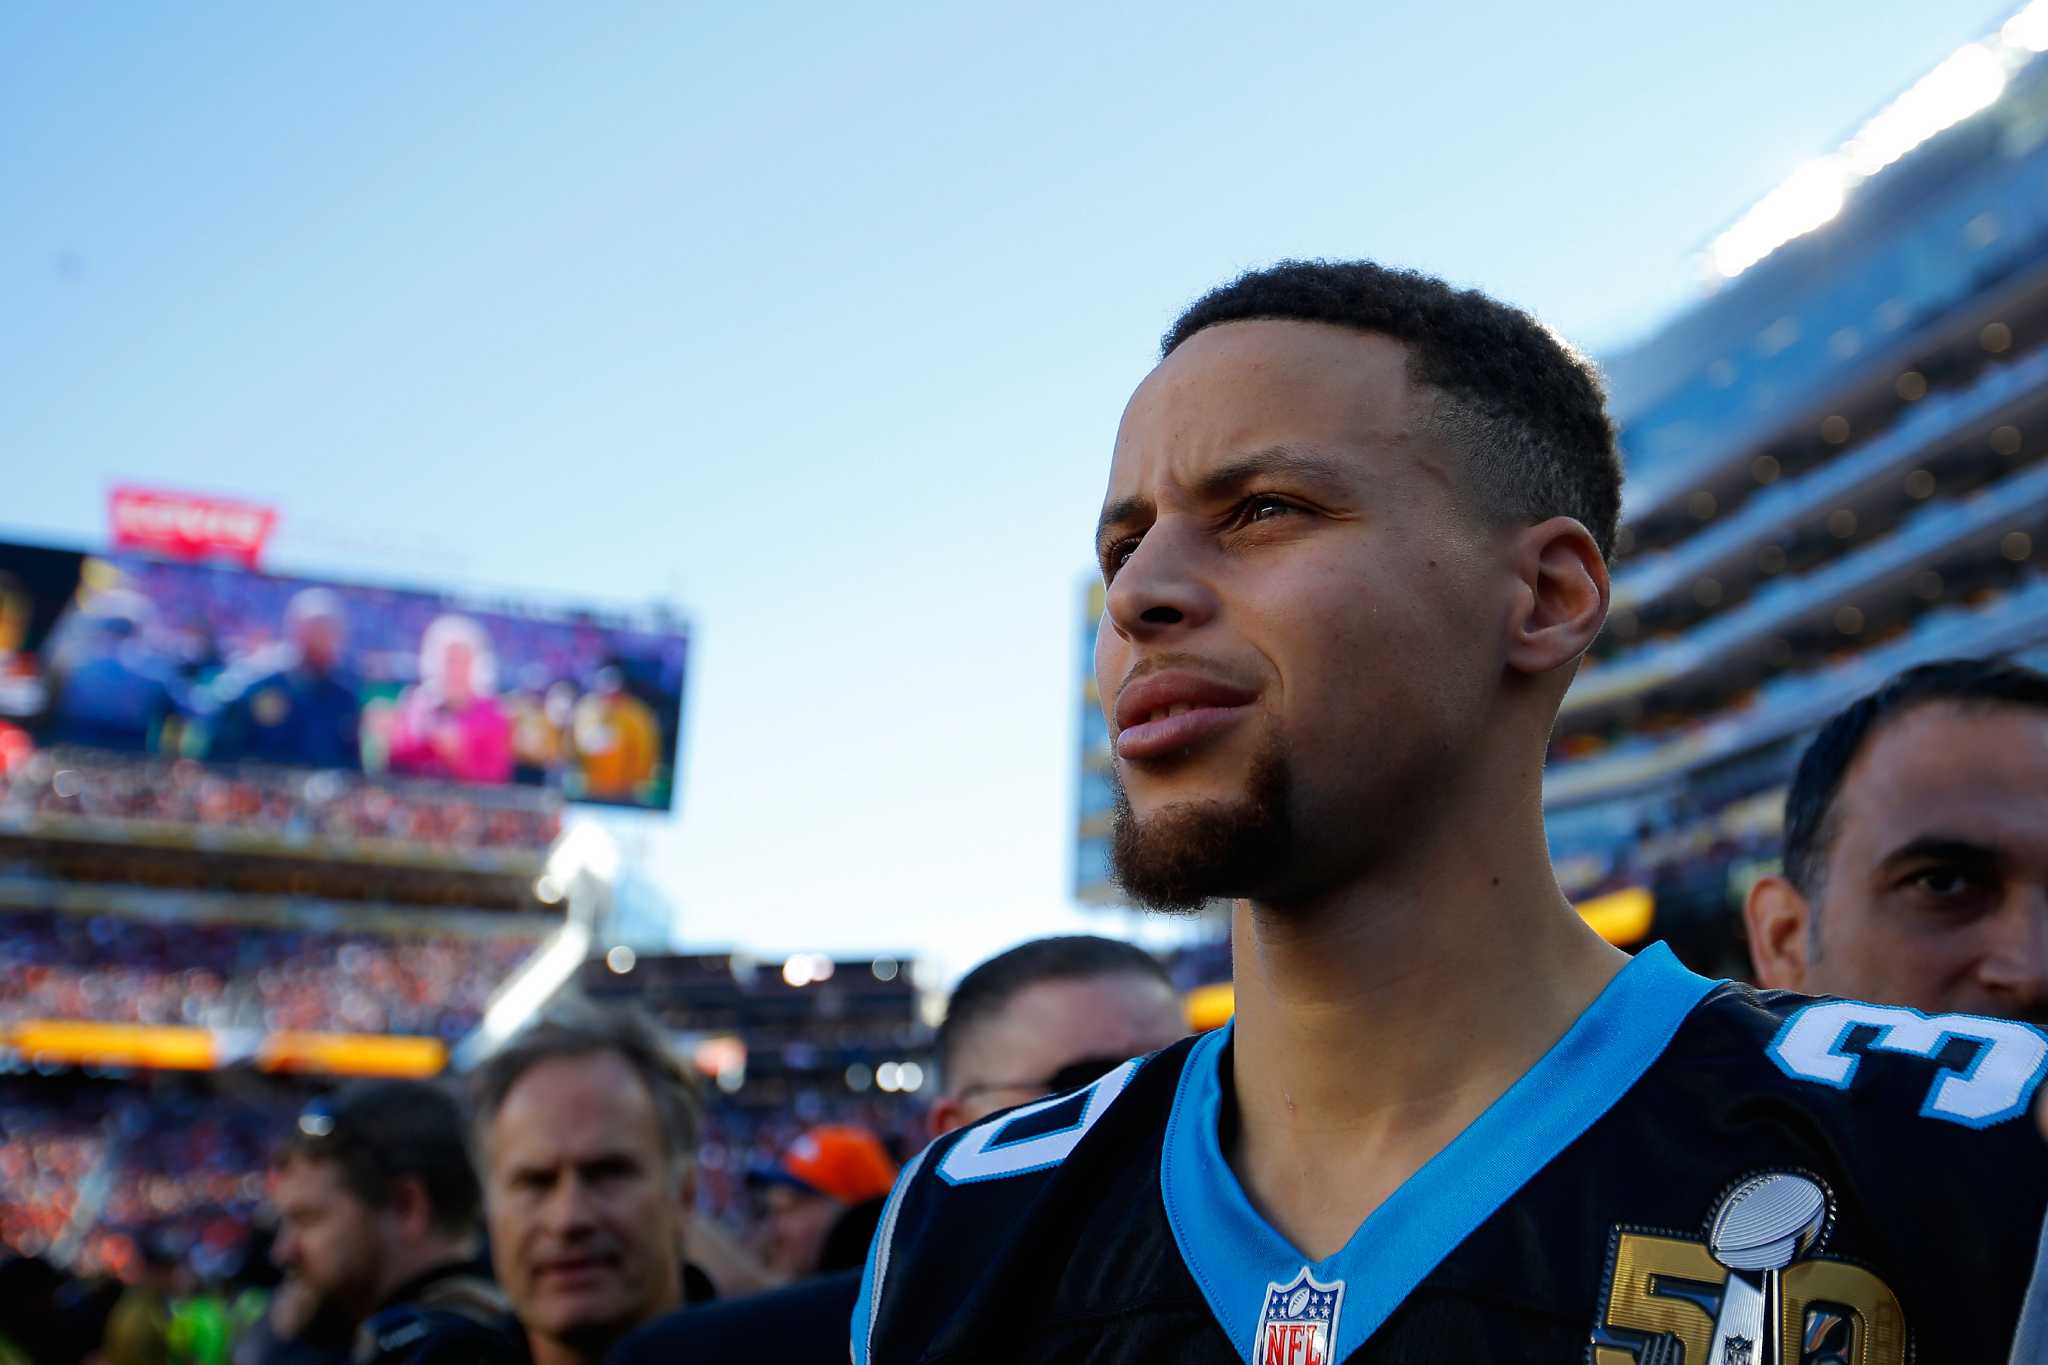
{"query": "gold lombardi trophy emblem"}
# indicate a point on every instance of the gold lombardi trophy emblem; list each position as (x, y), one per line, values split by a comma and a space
(1764, 1225)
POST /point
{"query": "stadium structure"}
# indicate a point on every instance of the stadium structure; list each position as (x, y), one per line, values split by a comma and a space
(1835, 471)
(1835, 463)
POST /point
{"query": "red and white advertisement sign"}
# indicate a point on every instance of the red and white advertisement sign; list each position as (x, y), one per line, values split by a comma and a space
(186, 526)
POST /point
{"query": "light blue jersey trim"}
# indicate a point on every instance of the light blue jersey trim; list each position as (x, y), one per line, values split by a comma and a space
(1234, 1254)
(876, 1270)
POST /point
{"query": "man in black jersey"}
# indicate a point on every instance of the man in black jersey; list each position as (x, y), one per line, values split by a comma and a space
(1355, 539)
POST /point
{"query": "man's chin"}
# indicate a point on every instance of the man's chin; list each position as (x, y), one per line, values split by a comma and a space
(583, 1319)
(1181, 854)
(1184, 856)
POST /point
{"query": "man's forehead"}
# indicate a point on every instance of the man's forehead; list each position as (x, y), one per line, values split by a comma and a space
(1074, 1015)
(303, 1178)
(1973, 771)
(573, 1109)
(1246, 379)
(1253, 385)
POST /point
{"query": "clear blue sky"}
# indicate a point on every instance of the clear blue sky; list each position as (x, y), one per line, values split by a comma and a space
(815, 320)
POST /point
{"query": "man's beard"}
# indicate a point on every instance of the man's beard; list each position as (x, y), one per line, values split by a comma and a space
(1191, 853)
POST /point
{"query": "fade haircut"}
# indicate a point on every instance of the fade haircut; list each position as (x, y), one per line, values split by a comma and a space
(379, 1132)
(1528, 413)
(1809, 802)
(575, 1026)
(984, 992)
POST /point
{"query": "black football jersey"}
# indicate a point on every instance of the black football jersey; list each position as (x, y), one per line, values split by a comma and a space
(1696, 1174)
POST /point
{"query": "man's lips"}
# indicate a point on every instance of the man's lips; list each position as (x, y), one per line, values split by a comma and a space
(1170, 711)
(574, 1267)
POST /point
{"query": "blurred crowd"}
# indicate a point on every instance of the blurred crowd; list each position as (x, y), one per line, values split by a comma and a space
(182, 1217)
(291, 807)
(122, 969)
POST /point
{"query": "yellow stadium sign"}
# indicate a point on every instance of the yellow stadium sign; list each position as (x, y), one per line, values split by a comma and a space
(146, 1047)
(79, 1042)
(1621, 917)
(1211, 1006)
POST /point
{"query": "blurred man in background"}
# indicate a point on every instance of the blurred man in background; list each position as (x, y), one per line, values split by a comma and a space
(830, 1175)
(1046, 1017)
(139, 1329)
(1049, 1015)
(585, 1129)
(617, 738)
(109, 691)
(1916, 849)
(295, 706)
(377, 1209)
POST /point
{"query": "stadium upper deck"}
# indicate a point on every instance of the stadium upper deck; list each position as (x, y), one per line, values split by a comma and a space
(1835, 471)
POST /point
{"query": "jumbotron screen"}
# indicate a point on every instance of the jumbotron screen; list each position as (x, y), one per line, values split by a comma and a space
(131, 654)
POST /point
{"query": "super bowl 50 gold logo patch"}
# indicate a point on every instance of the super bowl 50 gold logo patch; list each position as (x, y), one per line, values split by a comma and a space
(1757, 1291)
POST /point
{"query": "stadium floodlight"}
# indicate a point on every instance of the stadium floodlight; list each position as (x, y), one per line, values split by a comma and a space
(584, 865)
(2027, 31)
(1810, 197)
(1972, 78)
(1966, 82)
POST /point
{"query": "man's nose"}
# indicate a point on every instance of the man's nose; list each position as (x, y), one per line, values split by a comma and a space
(1163, 587)
(569, 1208)
(2015, 965)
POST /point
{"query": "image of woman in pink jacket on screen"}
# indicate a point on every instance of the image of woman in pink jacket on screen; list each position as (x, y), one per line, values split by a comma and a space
(450, 724)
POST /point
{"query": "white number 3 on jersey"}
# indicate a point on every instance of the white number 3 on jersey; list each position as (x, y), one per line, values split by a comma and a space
(2010, 1060)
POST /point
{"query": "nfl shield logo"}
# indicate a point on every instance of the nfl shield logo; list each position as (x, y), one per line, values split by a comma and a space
(1298, 1323)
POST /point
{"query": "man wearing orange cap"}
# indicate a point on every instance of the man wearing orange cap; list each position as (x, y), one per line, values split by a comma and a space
(821, 1200)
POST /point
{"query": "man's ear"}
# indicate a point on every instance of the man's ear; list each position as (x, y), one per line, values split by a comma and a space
(411, 1207)
(1779, 921)
(1563, 601)
(944, 1116)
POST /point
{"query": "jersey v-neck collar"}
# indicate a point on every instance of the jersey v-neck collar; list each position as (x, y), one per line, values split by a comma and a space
(1236, 1257)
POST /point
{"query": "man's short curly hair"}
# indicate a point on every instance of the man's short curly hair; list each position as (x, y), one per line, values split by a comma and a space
(1528, 412)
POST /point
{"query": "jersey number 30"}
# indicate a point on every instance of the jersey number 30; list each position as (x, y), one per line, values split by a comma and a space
(2008, 1064)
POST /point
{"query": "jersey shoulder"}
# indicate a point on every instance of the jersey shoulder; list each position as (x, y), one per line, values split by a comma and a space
(1870, 1065)
(973, 1195)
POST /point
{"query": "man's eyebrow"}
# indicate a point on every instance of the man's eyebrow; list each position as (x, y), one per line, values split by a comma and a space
(1302, 462)
(1122, 512)
(1953, 848)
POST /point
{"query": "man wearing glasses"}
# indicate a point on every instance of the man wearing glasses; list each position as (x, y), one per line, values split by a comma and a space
(1048, 1016)
(378, 1222)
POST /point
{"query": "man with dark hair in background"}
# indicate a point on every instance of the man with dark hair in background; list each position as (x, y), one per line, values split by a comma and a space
(1916, 849)
(1048, 1015)
(377, 1208)
(1354, 544)
(586, 1130)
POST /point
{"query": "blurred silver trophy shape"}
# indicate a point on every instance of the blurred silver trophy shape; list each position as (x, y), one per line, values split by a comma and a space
(1764, 1225)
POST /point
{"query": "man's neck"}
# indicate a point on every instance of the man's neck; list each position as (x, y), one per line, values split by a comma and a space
(406, 1262)
(550, 1351)
(1376, 1022)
